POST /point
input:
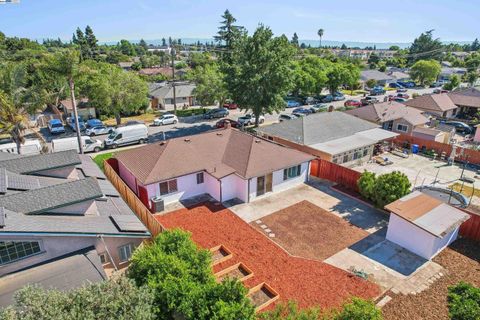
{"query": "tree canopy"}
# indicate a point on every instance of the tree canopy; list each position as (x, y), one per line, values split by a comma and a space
(425, 72)
(425, 47)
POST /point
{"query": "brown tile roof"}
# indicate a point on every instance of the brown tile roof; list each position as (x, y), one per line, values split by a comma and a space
(413, 206)
(467, 97)
(388, 111)
(220, 153)
(434, 102)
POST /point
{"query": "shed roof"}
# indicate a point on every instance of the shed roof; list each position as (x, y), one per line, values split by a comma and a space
(428, 213)
(375, 75)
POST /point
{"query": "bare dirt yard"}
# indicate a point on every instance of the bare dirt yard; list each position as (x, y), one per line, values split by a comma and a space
(308, 231)
(462, 263)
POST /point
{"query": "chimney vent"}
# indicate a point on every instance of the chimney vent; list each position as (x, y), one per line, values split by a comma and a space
(187, 140)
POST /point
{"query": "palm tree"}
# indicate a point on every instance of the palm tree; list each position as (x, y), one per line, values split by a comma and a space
(13, 121)
(320, 35)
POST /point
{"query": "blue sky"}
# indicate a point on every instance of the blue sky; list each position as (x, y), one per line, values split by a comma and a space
(343, 20)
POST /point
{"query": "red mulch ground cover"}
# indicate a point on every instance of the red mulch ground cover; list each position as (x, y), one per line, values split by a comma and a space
(308, 231)
(309, 282)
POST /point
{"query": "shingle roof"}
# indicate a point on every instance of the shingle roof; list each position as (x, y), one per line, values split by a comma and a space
(318, 128)
(434, 102)
(466, 97)
(389, 111)
(219, 153)
(52, 197)
(41, 162)
(166, 92)
(375, 75)
(428, 213)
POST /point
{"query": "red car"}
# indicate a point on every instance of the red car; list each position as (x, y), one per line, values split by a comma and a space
(222, 123)
(230, 105)
(352, 103)
(403, 95)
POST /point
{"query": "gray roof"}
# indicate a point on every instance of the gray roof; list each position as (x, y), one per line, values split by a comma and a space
(166, 92)
(8, 156)
(89, 168)
(375, 75)
(64, 273)
(318, 128)
(41, 162)
(52, 197)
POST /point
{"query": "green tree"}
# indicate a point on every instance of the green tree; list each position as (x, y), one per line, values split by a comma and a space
(13, 121)
(126, 48)
(359, 309)
(181, 277)
(453, 83)
(310, 75)
(320, 35)
(290, 311)
(210, 87)
(228, 32)
(390, 187)
(471, 77)
(394, 48)
(295, 39)
(117, 299)
(91, 42)
(366, 184)
(340, 74)
(370, 83)
(425, 72)
(425, 47)
(261, 73)
(464, 302)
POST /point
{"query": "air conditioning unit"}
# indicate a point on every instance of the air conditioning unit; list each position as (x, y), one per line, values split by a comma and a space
(158, 204)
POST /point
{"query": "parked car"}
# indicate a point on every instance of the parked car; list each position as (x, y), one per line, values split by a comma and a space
(249, 119)
(438, 83)
(167, 118)
(29, 147)
(399, 99)
(56, 126)
(230, 105)
(216, 113)
(403, 95)
(88, 144)
(293, 104)
(127, 135)
(222, 123)
(311, 100)
(438, 91)
(352, 103)
(395, 85)
(376, 91)
(326, 99)
(98, 130)
(284, 117)
(401, 90)
(460, 127)
(368, 100)
(407, 84)
(94, 123)
(305, 111)
(81, 123)
(338, 96)
(318, 107)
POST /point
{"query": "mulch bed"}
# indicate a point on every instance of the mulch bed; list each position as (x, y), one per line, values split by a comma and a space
(308, 231)
(309, 282)
(462, 262)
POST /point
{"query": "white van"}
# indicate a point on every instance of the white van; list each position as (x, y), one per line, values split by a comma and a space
(88, 144)
(137, 133)
(28, 148)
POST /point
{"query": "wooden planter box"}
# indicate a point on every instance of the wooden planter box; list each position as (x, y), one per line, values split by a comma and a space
(220, 254)
(262, 296)
(238, 271)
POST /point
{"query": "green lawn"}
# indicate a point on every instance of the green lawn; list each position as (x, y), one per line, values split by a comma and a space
(101, 157)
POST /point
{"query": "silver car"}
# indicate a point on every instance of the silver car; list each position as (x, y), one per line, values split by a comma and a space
(98, 130)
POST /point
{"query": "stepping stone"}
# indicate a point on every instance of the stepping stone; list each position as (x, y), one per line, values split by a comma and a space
(395, 291)
(268, 230)
(271, 235)
(258, 221)
(263, 226)
(384, 301)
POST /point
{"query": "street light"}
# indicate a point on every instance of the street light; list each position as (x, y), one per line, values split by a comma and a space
(173, 52)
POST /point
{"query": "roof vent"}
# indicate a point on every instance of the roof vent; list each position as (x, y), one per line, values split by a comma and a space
(219, 134)
(162, 143)
(187, 140)
(257, 141)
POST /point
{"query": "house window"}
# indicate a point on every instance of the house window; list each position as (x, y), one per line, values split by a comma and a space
(200, 178)
(357, 155)
(345, 158)
(454, 112)
(125, 252)
(167, 187)
(291, 172)
(402, 127)
(103, 257)
(365, 152)
(15, 250)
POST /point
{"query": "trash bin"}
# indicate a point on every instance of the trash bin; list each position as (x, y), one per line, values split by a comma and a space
(415, 148)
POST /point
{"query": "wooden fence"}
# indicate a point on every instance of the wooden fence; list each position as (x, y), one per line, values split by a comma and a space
(133, 201)
(471, 228)
(461, 154)
(343, 176)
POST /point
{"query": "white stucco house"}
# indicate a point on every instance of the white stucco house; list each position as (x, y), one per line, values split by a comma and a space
(225, 164)
(422, 224)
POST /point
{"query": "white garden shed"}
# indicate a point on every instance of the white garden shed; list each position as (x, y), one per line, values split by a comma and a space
(422, 224)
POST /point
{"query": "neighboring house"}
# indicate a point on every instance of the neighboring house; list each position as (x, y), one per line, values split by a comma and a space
(468, 100)
(440, 105)
(447, 72)
(422, 224)
(440, 133)
(226, 164)
(83, 108)
(381, 78)
(333, 136)
(392, 116)
(161, 95)
(399, 75)
(127, 66)
(61, 222)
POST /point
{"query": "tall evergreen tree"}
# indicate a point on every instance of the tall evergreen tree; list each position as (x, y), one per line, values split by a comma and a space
(425, 47)
(228, 32)
(295, 39)
(475, 45)
(164, 42)
(91, 42)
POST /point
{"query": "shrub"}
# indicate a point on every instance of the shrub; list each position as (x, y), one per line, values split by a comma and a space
(390, 187)
(359, 309)
(290, 311)
(366, 183)
(371, 83)
(464, 302)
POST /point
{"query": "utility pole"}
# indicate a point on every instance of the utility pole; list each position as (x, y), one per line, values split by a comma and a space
(173, 81)
(75, 114)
